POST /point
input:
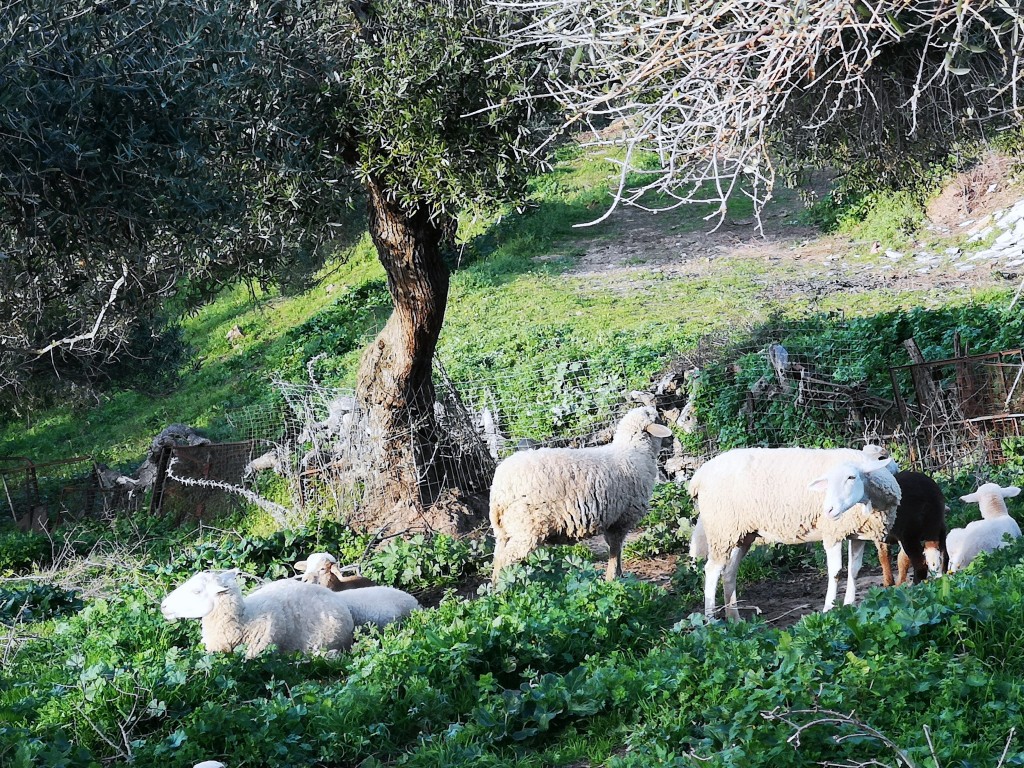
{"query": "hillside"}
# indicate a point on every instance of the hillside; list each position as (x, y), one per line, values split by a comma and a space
(557, 667)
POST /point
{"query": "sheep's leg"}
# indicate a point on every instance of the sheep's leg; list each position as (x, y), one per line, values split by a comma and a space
(614, 539)
(915, 556)
(834, 559)
(712, 572)
(853, 568)
(729, 575)
(903, 564)
(886, 562)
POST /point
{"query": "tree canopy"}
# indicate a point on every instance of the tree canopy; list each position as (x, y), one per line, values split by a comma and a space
(157, 150)
(723, 91)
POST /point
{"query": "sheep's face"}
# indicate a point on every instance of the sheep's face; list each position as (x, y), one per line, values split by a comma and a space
(875, 452)
(641, 424)
(316, 569)
(844, 486)
(197, 597)
(933, 557)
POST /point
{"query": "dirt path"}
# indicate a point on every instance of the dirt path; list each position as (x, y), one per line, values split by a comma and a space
(797, 259)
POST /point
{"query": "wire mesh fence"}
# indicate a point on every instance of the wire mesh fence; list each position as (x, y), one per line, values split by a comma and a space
(812, 382)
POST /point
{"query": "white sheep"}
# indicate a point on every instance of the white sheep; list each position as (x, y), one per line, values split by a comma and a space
(986, 534)
(562, 495)
(290, 614)
(322, 568)
(750, 492)
(369, 603)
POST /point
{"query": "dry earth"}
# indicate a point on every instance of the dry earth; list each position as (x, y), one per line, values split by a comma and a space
(638, 242)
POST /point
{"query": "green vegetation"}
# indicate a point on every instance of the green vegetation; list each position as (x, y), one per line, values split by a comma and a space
(558, 668)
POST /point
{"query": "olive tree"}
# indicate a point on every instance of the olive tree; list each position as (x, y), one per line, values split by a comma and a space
(162, 149)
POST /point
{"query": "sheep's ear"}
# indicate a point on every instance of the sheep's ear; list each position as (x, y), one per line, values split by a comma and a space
(658, 430)
(1009, 491)
(226, 580)
(970, 497)
(300, 566)
(873, 465)
(818, 485)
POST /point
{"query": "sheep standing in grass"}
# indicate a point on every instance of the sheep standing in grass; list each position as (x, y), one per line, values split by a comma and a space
(289, 614)
(322, 568)
(986, 534)
(563, 495)
(920, 529)
(750, 492)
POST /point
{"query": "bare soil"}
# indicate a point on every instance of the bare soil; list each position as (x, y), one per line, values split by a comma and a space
(635, 242)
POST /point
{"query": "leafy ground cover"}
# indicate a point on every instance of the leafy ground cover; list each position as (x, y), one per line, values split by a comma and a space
(559, 667)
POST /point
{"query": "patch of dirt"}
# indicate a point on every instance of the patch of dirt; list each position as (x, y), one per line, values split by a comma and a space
(635, 248)
(977, 192)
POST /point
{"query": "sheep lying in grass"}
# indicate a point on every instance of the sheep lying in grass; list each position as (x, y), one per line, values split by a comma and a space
(290, 614)
(920, 529)
(369, 603)
(986, 534)
(322, 568)
(563, 495)
(750, 492)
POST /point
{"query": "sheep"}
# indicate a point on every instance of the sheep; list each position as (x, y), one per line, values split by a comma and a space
(986, 534)
(368, 603)
(290, 614)
(920, 529)
(749, 492)
(323, 569)
(562, 495)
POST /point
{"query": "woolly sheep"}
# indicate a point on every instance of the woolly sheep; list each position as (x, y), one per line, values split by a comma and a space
(749, 492)
(920, 529)
(290, 614)
(562, 495)
(322, 568)
(986, 534)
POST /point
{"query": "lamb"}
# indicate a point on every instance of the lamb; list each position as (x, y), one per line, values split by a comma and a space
(749, 492)
(323, 569)
(986, 534)
(369, 603)
(562, 495)
(290, 614)
(920, 529)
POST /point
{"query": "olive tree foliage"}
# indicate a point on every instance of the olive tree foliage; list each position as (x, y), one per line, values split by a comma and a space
(159, 150)
(149, 150)
(727, 93)
(156, 151)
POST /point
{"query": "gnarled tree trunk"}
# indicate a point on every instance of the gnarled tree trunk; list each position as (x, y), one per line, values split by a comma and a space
(394, 390)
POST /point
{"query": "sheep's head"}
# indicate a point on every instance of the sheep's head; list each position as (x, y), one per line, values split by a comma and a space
(873, 452)
(990, 497)
(198, 596)
(844, 485)
(641, 423)
(316, 569)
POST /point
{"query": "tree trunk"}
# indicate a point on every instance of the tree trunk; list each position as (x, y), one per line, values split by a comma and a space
(405, 478)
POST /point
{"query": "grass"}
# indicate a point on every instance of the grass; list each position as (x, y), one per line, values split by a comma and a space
(518, 303)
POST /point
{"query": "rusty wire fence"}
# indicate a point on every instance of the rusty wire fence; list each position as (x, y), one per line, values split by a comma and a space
(770, 386)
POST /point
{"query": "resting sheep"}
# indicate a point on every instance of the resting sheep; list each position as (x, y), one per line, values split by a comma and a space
(289, 614)
(323, 569)
(563, 495)
(749, 492)
(920, 529)
(369, 603)
(986, 534)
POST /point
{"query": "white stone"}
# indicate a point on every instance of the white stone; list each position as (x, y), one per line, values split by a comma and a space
(965, 268)
(894, 255)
